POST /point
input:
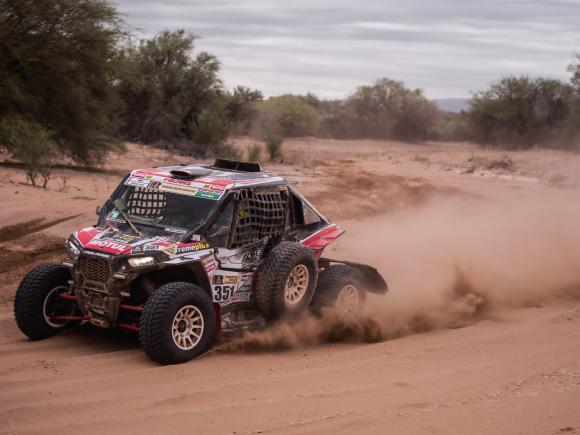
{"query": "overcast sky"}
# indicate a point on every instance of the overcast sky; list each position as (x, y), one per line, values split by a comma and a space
(447, 47)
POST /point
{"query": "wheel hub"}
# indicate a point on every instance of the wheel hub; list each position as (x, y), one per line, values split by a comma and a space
(296, 285)
(54, 305)
(348, 300)
(187, 327)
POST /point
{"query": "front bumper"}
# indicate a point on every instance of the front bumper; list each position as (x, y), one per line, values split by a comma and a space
(99, 287)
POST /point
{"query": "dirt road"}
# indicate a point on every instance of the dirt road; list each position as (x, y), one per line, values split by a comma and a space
(480, 333)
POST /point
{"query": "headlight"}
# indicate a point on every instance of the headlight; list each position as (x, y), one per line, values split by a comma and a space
(72, 249)
(141, 261)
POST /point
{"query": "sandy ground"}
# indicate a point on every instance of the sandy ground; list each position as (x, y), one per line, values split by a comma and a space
(479, 334)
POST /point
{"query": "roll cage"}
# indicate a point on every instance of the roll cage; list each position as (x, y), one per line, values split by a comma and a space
(272, 212)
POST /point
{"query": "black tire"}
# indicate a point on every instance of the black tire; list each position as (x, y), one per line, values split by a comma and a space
(331, 282)
(38, 286)
(156, 323)
(273, 275)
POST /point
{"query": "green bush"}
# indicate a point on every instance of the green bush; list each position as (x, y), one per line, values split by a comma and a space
(286, 116)
(274, 147)
(30, 143)
(254, 152)
(520, 112)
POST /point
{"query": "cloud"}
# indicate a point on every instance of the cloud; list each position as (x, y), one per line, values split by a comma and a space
(447, 47)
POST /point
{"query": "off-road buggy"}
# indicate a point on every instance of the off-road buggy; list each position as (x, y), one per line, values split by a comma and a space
(183, 254)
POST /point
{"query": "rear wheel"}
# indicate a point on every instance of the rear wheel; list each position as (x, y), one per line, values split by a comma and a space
(339, 287)
(286, 281)
(39, 310)
(177, 324)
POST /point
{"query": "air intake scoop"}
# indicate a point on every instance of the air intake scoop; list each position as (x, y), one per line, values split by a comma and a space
(189, 173)
(234, 165)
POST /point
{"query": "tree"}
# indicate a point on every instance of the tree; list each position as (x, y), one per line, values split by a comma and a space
(286, 116)
(520, 111)
(242, 108)
(167, 92)
(57, 63)
(385, 110)
(574, 69)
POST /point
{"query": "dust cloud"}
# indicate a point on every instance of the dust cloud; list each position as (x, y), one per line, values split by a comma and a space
(448, 263)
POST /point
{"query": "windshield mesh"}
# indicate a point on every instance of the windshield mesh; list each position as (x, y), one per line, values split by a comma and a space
(146, 203)
(148, 206)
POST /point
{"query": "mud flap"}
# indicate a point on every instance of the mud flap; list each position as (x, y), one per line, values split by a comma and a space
(371, 278)
(218, 322)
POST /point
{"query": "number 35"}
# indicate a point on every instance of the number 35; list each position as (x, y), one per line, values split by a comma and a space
(222, 292)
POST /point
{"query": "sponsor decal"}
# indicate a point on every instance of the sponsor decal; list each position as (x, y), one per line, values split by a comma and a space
(239, 297)
(230, 287)
(137, 181)
(108, 244)
(207, 188)
(225, 279)
(96, 254)
(209, 264)
(180, 189)
(208, 194)
(124, 238)
(192, 247)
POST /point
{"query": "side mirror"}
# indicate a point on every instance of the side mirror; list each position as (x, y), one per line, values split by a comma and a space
(98, 210)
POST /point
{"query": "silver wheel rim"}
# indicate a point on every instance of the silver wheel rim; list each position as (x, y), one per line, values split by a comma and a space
(47, 318)
(187, 327)
(296, 285)
(348, 301)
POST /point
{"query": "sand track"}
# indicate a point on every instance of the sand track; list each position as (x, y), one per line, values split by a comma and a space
(480, 333)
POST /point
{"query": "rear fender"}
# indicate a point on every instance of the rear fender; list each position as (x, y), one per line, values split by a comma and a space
(371, 279)
(318, 240)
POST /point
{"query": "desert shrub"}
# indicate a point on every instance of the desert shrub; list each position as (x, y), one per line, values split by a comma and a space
(30, 143)
(451, 127)
(254, 152)
(242, 108)
(520, 112)
(212, 125)
(274, 147)
(286, 116)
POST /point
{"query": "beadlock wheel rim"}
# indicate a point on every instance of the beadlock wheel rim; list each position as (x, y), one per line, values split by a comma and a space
(51, 298)
(348, 301)
(296, 285)
(187, 327)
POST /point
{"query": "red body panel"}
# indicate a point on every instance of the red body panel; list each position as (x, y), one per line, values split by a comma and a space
(318, 241)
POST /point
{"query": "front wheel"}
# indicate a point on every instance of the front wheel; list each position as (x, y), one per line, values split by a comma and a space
(39, 310)
(178, 323)
(339, 287)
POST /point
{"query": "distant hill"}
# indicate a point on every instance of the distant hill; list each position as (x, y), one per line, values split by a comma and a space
(455, 105)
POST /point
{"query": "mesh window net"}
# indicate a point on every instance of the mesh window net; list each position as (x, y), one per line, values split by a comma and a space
(261, 214)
